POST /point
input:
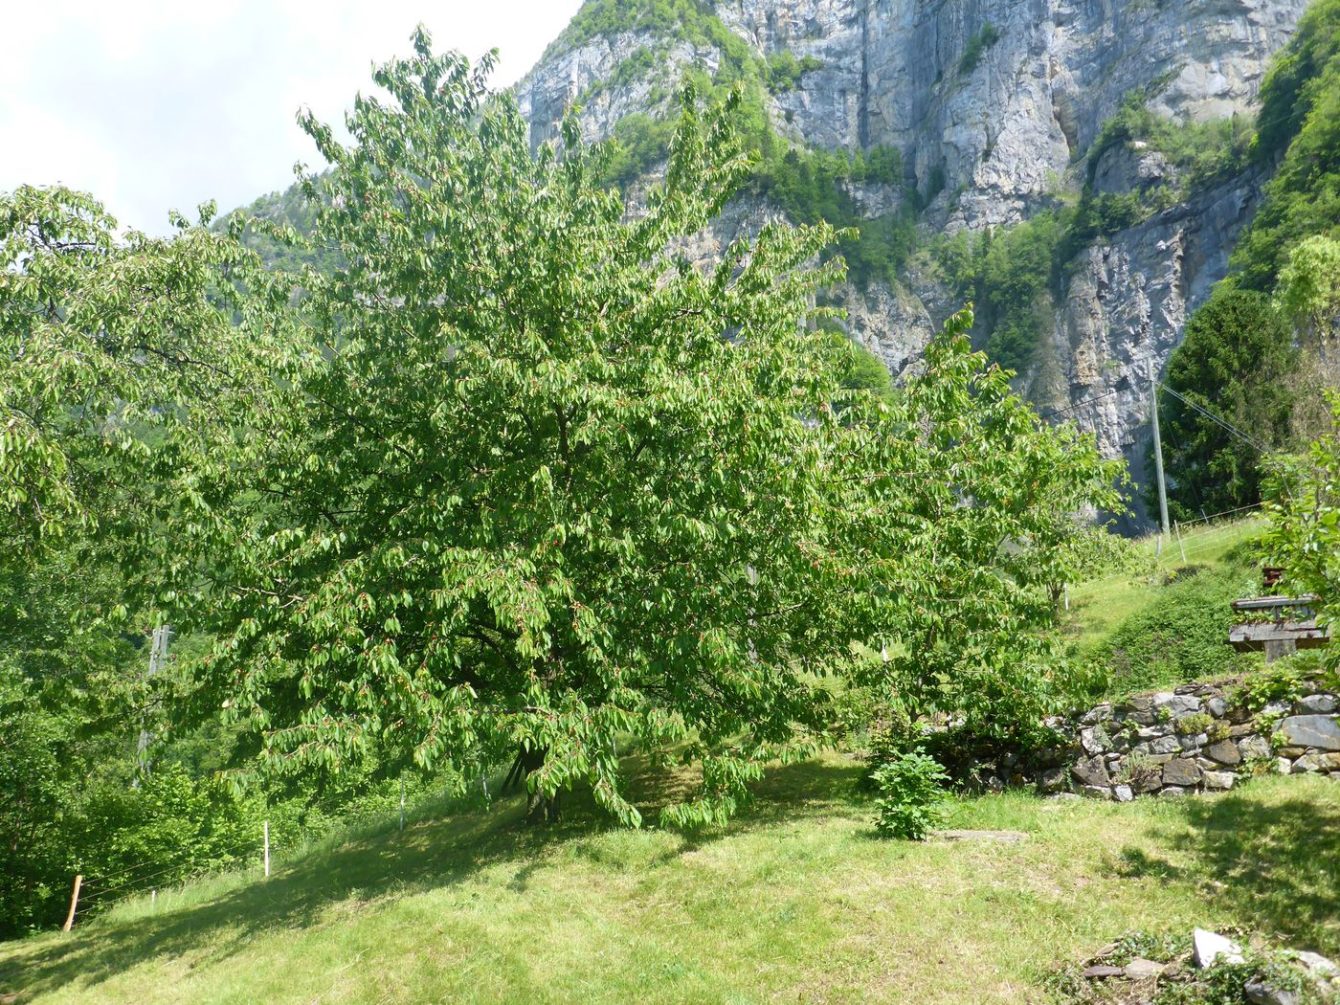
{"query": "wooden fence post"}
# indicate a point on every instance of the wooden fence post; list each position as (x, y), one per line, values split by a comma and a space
(74, 904)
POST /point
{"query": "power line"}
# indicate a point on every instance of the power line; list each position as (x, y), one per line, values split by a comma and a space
(1053, 412)
(1219, 420)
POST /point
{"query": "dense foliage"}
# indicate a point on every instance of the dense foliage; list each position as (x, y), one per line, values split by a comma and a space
(608, 446)
(1299, 124)
(1237, 362)
(1179, 639)
(1305, 518)
(1010, 275)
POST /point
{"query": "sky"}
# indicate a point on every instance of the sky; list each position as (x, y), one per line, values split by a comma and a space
(154, 105)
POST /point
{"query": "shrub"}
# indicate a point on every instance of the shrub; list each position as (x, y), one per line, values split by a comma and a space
(1280, 681)
(785, 70)
(977, 46)
(911, 796)
(1197, 722)
(1225, 983)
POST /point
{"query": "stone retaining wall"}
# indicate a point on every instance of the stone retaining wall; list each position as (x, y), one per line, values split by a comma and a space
(1196, 738)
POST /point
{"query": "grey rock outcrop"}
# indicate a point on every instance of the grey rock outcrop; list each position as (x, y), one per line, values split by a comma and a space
(993, 105)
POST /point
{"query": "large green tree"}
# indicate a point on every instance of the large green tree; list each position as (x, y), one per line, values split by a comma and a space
(533, 483)
(1237, 363)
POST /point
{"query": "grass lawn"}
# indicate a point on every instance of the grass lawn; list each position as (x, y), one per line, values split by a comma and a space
(795, 902)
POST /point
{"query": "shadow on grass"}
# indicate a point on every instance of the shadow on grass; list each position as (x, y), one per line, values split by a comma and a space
(1274, 862)
(429, 855)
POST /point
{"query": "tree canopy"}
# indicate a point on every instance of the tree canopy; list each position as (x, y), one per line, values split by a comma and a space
(511, 479)
(538, 484)
(1237, 362)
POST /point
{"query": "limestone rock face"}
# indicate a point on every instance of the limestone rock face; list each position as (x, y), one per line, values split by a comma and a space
(994, 105)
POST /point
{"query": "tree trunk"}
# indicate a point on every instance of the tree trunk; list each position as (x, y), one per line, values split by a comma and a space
(540, 809)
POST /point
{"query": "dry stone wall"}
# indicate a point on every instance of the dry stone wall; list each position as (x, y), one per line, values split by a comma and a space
(1196, 738)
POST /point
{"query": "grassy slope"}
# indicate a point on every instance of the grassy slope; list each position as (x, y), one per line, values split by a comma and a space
(1099, 606)
(796, 902)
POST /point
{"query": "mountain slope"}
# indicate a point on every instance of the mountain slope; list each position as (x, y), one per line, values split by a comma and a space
(998, 112)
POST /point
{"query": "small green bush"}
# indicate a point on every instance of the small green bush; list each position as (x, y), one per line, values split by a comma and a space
(1225, 983)
(976, 48)
(1197, 722)
(785, 70)
(1158, 946)
(911, 791)
(1280, 681)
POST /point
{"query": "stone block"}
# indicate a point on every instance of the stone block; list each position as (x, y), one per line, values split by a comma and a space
(1216, 706)
(1320, 731)
(1172, 790)
(1176, 704)
(1052, 780)
(1310, 763)
(1194, 742)
(1316, 704)
(1259, 992)
(1091, 771)
(1181, 771)
(1225, 752)
(1220, 780)
(1097, 714)
(1139, 703)
(1209, 948)
(1147, 781)
(1123, 793)
(1141, 969)
(1156, 731)
(1254, 748)
(1096, 792)
(1165, 745)
(1093, 740)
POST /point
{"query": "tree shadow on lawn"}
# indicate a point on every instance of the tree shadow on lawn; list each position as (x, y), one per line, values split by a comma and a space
(1274, 864)
(431, 854)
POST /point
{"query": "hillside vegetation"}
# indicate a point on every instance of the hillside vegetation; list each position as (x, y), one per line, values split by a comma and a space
(1160, 616)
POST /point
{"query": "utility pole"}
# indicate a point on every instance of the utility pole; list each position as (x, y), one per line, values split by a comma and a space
(1158, 454)
(157, 657)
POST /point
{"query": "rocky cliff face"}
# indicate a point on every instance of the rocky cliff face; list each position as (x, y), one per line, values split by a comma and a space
(994, 105)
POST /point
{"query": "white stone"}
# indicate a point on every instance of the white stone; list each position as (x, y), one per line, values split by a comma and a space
(1220, 780)
(1209, 947)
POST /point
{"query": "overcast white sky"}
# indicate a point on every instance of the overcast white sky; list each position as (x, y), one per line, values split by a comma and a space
(154, 105)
